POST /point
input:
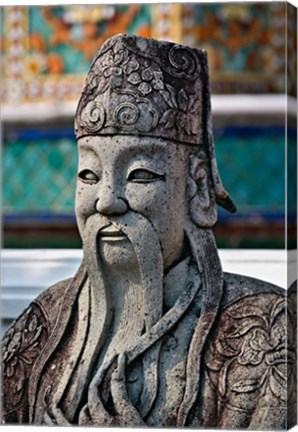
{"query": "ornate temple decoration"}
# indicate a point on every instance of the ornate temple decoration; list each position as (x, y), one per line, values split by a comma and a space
(46, 50)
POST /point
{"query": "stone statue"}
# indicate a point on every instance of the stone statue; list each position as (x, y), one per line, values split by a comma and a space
(150, 331)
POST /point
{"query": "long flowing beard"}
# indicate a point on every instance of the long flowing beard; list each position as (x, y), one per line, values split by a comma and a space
(147, 249)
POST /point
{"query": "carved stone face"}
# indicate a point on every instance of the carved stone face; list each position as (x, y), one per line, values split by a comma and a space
(123, 174)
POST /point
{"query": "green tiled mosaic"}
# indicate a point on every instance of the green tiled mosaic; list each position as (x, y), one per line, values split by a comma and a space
(252, 169)
(39, 176)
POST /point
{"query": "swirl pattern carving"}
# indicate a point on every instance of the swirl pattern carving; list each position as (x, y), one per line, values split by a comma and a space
(93, 116)
(139, 115)
(127, 115)
(184, 62)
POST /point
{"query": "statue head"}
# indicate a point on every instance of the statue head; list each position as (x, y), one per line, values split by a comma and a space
(144, 132)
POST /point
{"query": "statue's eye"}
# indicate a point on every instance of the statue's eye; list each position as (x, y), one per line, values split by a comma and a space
(88, 176)
(144, 176)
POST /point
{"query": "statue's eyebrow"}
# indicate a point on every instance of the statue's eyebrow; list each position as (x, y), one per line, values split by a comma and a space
(86, 147)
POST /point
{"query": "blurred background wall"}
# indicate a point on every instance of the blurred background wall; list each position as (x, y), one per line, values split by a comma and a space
(46, 53)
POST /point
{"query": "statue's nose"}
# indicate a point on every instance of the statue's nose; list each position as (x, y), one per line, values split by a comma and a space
(110, 202)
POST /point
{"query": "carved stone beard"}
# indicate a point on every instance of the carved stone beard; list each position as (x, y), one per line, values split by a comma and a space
(80, 384)
(144, 240)
(140, 306)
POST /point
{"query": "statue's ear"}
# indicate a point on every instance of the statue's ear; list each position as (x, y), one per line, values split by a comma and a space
(201, 196)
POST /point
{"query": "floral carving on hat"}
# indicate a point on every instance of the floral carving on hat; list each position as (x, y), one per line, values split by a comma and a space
(156, 91)
(182, 112)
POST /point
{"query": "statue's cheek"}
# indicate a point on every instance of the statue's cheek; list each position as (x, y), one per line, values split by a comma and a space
(145, 198)
(85, 200)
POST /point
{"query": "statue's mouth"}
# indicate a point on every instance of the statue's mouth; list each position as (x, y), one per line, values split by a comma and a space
(111, 233)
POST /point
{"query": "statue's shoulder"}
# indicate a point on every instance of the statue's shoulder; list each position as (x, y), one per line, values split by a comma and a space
(252, 346)
(21, 346)
(51, 298)
(238, 287)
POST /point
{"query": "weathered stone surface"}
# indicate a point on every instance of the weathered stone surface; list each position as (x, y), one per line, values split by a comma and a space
(150, 331)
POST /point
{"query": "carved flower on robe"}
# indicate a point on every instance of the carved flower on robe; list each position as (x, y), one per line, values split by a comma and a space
(266, 342)
(21, 347)
(263, 343)
(260, 346)
(183, 112)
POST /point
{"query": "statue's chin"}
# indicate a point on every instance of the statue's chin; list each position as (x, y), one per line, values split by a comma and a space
(118, 253)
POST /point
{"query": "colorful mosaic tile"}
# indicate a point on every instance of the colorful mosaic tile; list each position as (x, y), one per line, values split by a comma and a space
(251, 171)
(48, 49)
(39, 176)
(292, 51)
(245, 44)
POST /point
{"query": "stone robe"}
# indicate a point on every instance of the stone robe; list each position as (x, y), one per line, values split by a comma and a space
(231, 366)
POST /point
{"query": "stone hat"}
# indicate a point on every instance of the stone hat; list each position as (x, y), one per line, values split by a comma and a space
(140, 86)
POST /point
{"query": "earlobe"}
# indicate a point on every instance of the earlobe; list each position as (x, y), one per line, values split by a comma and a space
(202, 207)
(202, 189)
